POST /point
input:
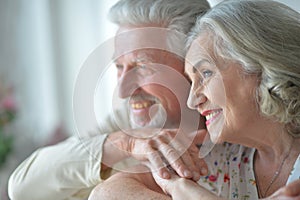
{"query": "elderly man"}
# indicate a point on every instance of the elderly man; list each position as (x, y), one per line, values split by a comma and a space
(149, 58)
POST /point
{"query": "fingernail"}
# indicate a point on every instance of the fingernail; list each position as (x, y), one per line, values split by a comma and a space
(166, 175)
(196, 176)
(203, 171)
(187, 173)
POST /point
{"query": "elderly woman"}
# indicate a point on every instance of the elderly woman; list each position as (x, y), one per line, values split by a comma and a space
(244, 64)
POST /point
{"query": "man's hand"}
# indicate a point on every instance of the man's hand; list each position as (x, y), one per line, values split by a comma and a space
(171, 148)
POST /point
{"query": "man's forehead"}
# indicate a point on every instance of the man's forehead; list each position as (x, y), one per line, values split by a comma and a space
(141, 55)
(131, 39)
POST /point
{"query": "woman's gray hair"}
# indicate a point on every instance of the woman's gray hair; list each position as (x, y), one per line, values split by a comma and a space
(176, 15)
(263, 36)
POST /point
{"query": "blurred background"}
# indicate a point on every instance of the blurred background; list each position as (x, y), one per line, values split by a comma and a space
(43, 44)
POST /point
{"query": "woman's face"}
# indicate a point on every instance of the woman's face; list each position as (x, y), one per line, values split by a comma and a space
(221, 92)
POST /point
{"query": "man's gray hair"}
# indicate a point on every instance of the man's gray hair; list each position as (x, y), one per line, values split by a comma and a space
(175, 15)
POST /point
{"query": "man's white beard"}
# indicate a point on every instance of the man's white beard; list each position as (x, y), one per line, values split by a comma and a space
(158, 116)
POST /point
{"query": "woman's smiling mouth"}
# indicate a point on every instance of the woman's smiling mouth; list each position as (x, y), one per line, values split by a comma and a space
(211, 115)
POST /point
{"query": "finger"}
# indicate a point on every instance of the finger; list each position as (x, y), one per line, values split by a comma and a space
(189, 144)
(174, 147)
(158, 165)
(186, 157)
(173, 158)
(162, 183)
(203, 167)
(189, 157)
(190, 164)
(194, 166)
(200, 164)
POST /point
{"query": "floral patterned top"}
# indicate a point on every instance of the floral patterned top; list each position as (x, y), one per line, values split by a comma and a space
(231, 172)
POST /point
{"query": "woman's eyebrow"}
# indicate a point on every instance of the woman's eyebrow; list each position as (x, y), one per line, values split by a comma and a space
(198, 64)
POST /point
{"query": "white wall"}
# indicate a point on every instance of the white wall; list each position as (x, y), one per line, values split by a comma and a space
(81, 27)
(295, 4)
(42, 46)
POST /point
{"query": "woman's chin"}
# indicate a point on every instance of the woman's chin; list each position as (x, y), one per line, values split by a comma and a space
(215, 130)
(217, 139)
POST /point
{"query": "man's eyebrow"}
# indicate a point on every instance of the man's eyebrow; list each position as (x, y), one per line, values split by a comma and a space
(140, 58)
(143, 57)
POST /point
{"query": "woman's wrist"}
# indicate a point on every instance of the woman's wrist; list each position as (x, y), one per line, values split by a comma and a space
(177, 186)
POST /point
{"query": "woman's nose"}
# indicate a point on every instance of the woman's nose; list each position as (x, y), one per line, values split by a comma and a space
(196, 98)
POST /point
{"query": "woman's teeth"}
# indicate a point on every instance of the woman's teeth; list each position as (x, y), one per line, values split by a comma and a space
(212, 114)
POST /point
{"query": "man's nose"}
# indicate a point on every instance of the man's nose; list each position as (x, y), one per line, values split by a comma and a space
(128, 82)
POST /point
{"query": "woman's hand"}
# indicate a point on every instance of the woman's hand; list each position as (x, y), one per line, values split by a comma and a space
(170, 147)
(167, 185)
(289, 192)
(181, 188)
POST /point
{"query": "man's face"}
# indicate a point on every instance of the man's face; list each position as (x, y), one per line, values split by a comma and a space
(151, 102)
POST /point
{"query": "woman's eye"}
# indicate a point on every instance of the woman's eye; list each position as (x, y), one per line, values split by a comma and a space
(207, 73)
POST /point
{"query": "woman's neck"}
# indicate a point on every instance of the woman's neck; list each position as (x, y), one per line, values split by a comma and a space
(270, 139)
(272, 165)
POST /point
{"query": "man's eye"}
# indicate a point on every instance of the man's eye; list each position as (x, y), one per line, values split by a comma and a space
(145, 70)
(119, 67)
(142, 66)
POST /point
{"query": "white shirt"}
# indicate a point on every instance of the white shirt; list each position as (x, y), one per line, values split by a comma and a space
(66, 171)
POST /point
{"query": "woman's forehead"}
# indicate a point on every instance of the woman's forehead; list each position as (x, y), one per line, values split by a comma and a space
(201, 48)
